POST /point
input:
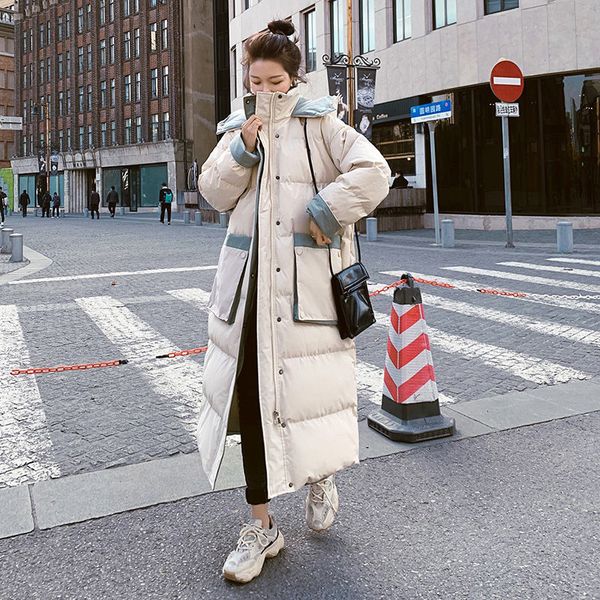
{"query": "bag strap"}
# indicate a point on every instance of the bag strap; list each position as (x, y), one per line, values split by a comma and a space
(314, 180)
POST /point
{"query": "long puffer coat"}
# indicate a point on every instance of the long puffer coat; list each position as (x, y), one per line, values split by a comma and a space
(306, 372)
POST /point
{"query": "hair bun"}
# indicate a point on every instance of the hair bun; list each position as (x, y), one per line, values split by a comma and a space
(282, 27)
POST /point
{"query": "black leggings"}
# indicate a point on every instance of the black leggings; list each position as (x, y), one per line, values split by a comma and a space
(253, 446)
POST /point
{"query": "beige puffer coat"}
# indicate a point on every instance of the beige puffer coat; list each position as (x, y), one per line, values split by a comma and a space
(307, 381)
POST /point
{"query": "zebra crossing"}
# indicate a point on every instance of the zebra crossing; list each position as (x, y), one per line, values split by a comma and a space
(27, 452)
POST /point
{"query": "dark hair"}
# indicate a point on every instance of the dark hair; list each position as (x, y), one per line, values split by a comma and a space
(274, 44)
(112, 187)
(164, 184)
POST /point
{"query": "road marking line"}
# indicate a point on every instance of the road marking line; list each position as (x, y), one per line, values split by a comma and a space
(516, 363)
(571, 333)
(178, 380)
(551, 269)
(573, 285)
(26, 451)
(581, 261)
(115, 274)
(469, 286)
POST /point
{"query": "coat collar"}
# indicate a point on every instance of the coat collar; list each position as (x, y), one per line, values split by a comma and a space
(292, 104)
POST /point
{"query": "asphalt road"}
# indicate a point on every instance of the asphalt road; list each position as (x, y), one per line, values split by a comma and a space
(511, 515)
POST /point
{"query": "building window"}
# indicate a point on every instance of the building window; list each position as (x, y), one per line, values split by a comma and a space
(154, 128)
(102, 53)
(69, 139)
(103, 138)
(81, 100)
(81, 137)
(136, 6)
(396, 142)
(402, 20)
(138, 129)
(89, 98)
(90, 24)
(111, 10)
(164, 34)
(68, 62)
(48, 33)
(127, 45)
(444, 13)
(48, 69)
(233, 73)
(102, 12)
(111, 50)
(89, 57)
(69, 107)
(90, 137)
(367, 26)
(113, 133)
(138, 86)
(59, 29)
(310, 35)
(42, 38)
(338, 27)
(67, 26)
(127, 88)
(103, 94)
(166, 126)
(494, 6)
(152, 3)
(61, 141)
(128, 131)
(61, 103)
(165, 80)
(153, 37)
(136, 43)
(126, 8)
(42, 70)
(80, 23)
(112, 92)
(80, 66)
(154, 83)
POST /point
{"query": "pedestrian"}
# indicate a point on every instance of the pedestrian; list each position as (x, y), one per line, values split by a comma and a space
(3, 206)
(46, 204)
(112, 200)
(165, 198)
(274, 346)
(399, 182)
(95, 203)
(56, 205)
(24, 201)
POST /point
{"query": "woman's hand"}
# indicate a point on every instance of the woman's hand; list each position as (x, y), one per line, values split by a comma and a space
(250, 132)
(317, 235)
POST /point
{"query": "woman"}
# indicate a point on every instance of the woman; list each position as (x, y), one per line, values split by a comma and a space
(275, 357)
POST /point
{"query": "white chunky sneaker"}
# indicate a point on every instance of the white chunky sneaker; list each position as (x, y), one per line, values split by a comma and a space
(254, 546)
(322, 504)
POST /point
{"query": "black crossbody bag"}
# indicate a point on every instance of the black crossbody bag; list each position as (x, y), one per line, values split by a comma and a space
(350, 290)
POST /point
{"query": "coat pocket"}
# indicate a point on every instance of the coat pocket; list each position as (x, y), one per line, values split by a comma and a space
(227, 286)
(313, 294)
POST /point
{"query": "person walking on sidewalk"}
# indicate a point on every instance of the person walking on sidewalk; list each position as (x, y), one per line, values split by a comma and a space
(55, 205)
(46, 204)
(95, 203)
(276, 369)
(112, 200)
(3, 206)
(24, 201)
(165, 198)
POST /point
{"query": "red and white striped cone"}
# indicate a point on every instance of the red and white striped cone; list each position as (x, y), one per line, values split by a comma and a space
(410, 409)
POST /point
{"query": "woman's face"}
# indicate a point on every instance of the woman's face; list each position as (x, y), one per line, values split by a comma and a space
(269, 76)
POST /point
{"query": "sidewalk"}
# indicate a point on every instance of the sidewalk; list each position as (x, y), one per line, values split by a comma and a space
(510, 516)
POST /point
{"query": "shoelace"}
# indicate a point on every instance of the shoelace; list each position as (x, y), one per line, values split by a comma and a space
(322, 490)
(250, 535)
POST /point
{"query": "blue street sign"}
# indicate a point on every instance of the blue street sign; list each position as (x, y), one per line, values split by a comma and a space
(431, 112)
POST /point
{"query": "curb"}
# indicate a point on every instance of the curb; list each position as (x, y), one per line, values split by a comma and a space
(37, 262)
(77, 498)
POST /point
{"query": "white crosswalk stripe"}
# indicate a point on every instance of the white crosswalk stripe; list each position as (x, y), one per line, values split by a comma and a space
(179, 380)
(550, 269)
(26, 451)
(578, 261)
(574, 285)
(470, 286)
(516, 363)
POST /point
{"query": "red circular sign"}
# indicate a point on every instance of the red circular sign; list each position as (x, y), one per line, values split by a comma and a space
(506, 81)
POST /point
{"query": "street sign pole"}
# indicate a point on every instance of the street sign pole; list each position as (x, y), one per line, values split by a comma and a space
(507, 191)
(436, 209)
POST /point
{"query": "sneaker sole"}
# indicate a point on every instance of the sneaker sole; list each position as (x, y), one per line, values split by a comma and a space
(252, 572)
(336, 507)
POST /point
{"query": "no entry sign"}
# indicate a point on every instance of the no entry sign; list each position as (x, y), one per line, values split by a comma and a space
(506, 81)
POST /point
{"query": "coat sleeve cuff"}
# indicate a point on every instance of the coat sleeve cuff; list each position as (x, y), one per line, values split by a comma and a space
(241, 155)
(321, 214)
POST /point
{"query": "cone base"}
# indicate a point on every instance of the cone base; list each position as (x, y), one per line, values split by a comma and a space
(413, 430)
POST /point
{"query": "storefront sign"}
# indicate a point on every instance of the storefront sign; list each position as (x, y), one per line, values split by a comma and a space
(507, 110)
(13, 123)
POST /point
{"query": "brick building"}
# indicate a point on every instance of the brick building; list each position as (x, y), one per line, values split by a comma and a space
(7, 80)
(118, 91)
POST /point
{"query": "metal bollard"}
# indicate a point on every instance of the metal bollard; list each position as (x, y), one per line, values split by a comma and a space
(564, 236)
(86, 213)
(223, 220)
(122, 211)
(186, 217)
(62, 212)
(16, 240)
(447, 233)
(371, 229)
(6, 247)
(198, 218)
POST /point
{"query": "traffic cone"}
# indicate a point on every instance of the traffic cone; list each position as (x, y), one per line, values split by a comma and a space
(410, 409)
